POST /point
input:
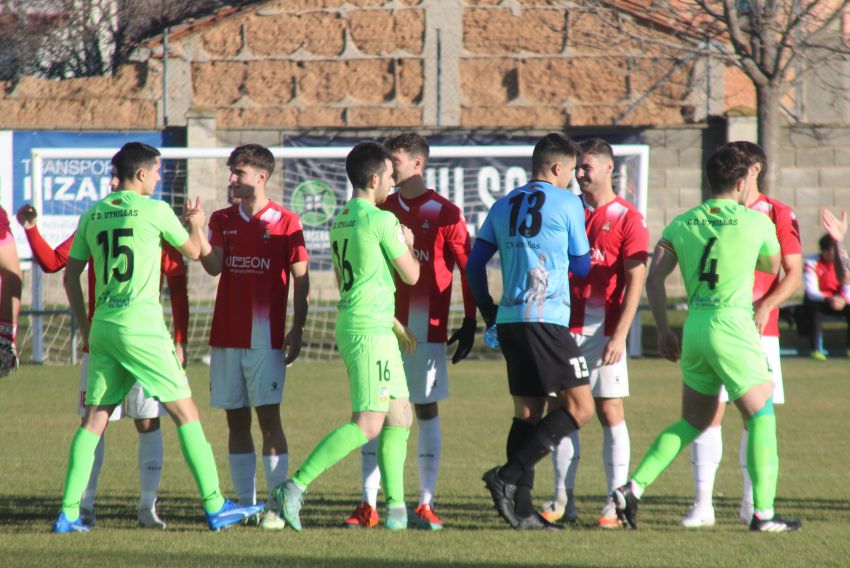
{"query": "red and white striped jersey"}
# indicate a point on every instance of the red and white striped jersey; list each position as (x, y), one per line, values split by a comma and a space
(441, 242)
(259, 251)
(617, 232)
(788, 234)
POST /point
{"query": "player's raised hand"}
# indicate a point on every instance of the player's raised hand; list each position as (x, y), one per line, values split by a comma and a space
(292, 345)
(406, 339)
(193, 213)
(668, 345)
(26, 216)
(465, 338)
(836, 228)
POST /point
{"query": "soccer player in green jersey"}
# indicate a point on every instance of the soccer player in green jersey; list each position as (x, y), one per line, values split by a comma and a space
(717, 246)
(367, 245)
(127, 338)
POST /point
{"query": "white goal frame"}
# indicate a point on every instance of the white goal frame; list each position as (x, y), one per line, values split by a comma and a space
(39, 155)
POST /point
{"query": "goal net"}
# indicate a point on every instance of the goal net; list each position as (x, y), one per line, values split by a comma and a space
(310, 181)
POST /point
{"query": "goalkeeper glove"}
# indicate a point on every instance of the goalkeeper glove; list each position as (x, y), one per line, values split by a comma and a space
(488, 312)
(465, 337)
(8, 352)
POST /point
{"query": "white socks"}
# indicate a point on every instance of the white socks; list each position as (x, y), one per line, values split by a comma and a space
(276, 468)
(243, 474)
(430, 447)
(616, 453)
(150, 467)
(371, 473)
(87, 501)
(706, 453)
(565, 461)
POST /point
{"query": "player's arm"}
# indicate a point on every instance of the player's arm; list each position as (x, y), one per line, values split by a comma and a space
(74, 290)
(197, 245)
(49, 259)
(10, 303)
(457, 238)
(789, 283)
(769, 263)
(837, 229)
(664, 261)
(301, 299)
(406, 264)
(175, 275)
(634, 274)
(406, 339)
(476, 272)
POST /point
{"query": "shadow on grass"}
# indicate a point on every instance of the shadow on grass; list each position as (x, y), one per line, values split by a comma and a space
(327, 510)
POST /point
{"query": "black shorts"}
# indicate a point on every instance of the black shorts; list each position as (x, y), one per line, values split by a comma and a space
(542, 358)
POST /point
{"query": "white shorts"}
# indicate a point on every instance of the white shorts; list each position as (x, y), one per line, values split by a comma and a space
(606, 381)
(241, 378)
(136, 405)
(770, 344)
(427, 373)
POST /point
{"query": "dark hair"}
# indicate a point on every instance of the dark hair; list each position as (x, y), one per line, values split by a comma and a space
(725, 167)
(253, 155)
(550, 149)
(825, 242)
(756, 155)
(132, 157)
(365, 160)
(410, 142)
(596, 147)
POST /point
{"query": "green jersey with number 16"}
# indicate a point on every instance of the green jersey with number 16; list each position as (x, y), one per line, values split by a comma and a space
(718, 244)
(123, 235)
(363, 241)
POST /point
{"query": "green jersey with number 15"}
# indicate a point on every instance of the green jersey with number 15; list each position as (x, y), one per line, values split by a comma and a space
(363, 241)
(718, 244)
(123, 235)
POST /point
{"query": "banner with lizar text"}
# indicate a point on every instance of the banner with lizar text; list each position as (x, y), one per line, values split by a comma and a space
(70, 186)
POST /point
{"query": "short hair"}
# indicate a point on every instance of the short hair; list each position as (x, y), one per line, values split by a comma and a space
(365, 160)
(756, 155)
(596, 147)
(725, 167)
(826, 242)
(132, 157)
(550, 149)
(254, 155)
(410, 142)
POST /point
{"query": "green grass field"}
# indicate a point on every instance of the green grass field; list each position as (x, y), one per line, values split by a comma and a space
(37, 406)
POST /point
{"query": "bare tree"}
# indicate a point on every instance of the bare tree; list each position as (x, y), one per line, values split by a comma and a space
(778, 44)
(60, 39)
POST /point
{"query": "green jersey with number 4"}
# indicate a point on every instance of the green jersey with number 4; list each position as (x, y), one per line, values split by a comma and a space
(718, 244)
(363, 241)
(123, 235)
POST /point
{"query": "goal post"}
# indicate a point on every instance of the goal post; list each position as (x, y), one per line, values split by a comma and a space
(311, 181)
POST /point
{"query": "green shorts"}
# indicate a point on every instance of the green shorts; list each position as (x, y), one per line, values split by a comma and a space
(375, 371)
(120, 356)
(723, 348)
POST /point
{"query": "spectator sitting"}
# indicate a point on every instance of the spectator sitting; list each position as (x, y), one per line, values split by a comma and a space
(825, 295)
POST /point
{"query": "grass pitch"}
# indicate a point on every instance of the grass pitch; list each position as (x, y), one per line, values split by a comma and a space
(37, 406)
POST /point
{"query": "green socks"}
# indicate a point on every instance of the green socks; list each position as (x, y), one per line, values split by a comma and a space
(80, 461)
(762, 457)
(328, 451)
(664, 450)
(392, 451)
(199, 458)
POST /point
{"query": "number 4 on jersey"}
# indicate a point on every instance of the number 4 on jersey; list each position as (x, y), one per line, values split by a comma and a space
(708, 266)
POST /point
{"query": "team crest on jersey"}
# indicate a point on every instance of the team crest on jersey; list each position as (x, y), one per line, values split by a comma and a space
(266, 235)
(606, 227)
(714, 210)
(426, 225)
